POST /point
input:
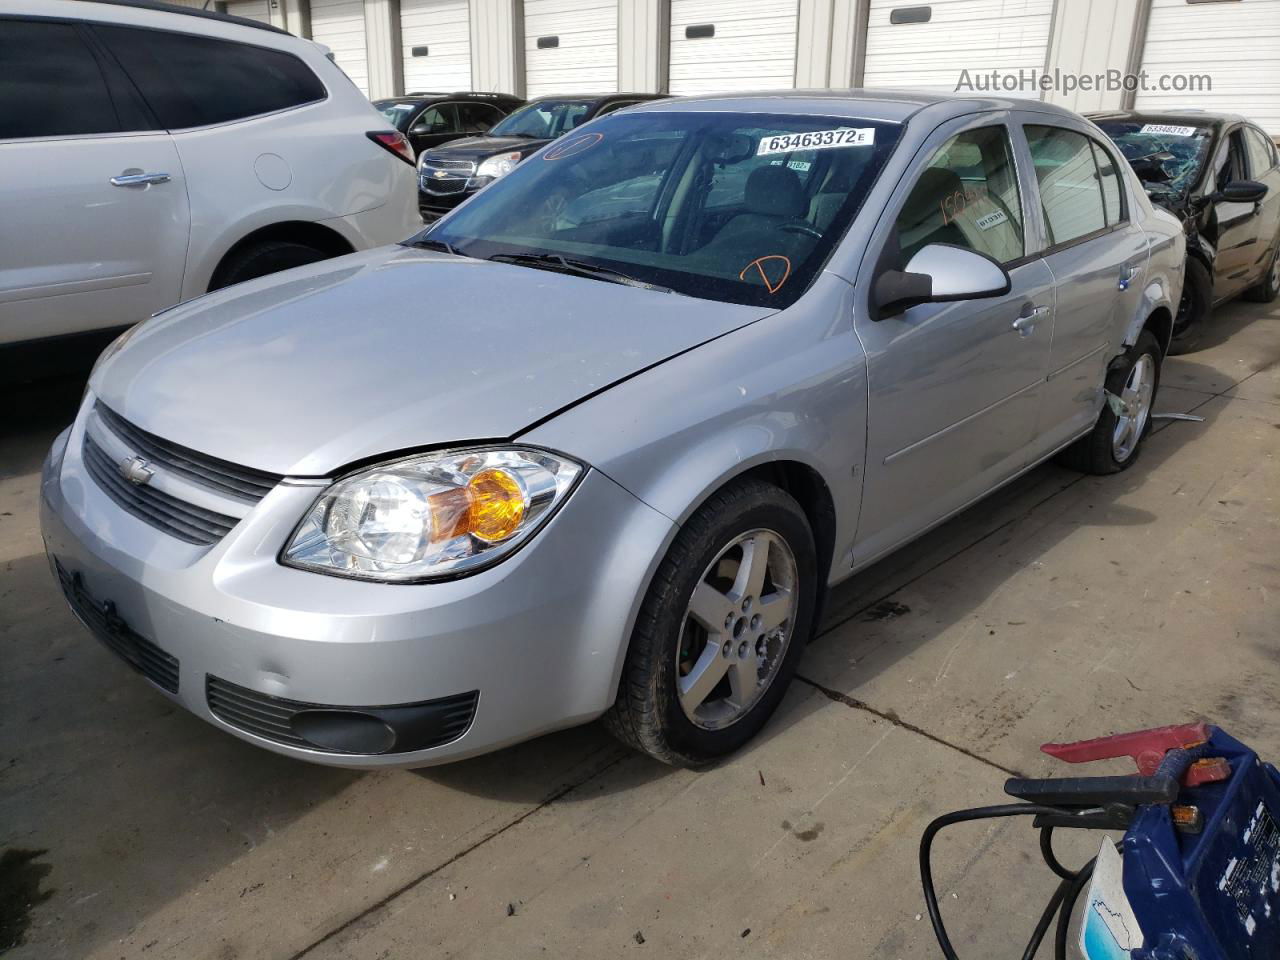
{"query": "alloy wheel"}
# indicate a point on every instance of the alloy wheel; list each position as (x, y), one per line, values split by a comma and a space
(737, 629)
(1135, 402)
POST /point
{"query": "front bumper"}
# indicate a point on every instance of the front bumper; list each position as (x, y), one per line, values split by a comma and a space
(538, 638)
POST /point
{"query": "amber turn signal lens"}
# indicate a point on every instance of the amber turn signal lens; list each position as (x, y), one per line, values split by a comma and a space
(498, 505)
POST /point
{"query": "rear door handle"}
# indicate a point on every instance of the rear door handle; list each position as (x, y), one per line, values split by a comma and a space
(139, 179)
(1027, 321)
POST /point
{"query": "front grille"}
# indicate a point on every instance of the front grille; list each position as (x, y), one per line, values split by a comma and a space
(272, 717)
(231, 480)
(103, 622)
(442, 187)
(441, 163)
(186, 522)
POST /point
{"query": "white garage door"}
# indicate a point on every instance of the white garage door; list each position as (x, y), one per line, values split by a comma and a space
(339, 25)
(570, 46)
(1236, 44)
(250, 10)
(904, 49)
(436, 35)
(719, 45)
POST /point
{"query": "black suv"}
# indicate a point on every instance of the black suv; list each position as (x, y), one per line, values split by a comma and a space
(432, 119)
(449, 175)
(1220, 175)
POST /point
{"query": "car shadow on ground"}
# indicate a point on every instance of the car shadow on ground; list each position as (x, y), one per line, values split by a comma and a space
(156, 801)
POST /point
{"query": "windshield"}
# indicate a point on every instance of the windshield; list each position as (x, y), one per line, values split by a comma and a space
(397, 111)
(542, 120)
(1165, 155)
(743, 208)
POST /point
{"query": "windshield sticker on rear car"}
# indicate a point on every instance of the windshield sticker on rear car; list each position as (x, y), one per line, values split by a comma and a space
(817, 140)
(573, 146)
(1168, 130)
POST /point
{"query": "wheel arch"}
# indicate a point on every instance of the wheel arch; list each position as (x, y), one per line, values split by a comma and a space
(310, 233)
(1160, 323)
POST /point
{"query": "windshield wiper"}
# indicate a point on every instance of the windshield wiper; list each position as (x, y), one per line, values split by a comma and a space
(553, 261)
(429, 243)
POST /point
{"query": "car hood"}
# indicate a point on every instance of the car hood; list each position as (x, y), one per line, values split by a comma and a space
(387, 351)
(478, 148)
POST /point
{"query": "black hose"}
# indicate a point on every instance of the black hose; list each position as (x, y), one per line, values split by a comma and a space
(926, 871)
(1046, 851)
(1068, 904)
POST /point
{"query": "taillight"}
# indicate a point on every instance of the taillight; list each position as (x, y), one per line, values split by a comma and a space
(395, 141)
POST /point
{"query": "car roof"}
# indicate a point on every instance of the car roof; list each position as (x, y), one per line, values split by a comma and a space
(423, 96)
(1202, 117)
(893, 106)
(599, 97)
(158, 7)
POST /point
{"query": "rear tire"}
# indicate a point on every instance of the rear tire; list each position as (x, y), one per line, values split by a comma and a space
(1193, 310)
(1133, 378)
(262, 258)
(1266, 290)
(698, 685)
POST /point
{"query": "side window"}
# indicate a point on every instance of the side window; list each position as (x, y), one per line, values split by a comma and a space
(1260, 153)
(194, 81)
(1071, 194)
(967, 196)
(477, 117)
(1229, 165)
(50, 83)
(435, 119)
(1109, 177)
(609, 108)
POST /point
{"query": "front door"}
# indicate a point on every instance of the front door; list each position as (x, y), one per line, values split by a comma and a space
(436, 125)
(95, 220)
(1265, 168)
(1235, 225)
(954, 387)
(1098, 257)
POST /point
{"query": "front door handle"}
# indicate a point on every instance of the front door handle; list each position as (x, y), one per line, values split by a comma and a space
(1027, 321)
(1127, 274)
(139, 179)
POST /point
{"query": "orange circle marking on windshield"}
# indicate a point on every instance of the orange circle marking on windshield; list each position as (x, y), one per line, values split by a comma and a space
(573, 147)
(759, 263)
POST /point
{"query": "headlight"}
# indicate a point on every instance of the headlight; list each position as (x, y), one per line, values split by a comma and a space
(498, 166)
(431, 516)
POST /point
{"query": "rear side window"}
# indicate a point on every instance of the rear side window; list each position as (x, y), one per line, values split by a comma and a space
(50, 83)
(196, 81)
(1071, 193)
(966, 196)
(1109, 178)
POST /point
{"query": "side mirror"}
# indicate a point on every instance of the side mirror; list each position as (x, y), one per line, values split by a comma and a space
(1241, 191)
(939, 273)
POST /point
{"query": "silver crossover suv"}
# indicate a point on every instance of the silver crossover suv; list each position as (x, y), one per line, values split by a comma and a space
(599, 441)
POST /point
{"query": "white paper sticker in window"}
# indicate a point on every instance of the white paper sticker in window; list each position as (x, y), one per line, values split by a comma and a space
(1168, 130)
(992, 219)
(817, 140)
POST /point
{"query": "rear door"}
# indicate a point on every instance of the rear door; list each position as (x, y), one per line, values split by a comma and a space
(1098, 256)
(94, 222)
(1264, 168)
(954, 388)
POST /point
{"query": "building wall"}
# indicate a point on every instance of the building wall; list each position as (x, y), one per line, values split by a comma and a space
(1092, 37)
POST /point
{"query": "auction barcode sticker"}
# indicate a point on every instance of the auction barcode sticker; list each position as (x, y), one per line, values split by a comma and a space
(817, 140)
(1168, 130)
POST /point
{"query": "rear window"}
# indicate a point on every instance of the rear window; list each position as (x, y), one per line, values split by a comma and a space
(50, 83)
(196, 81)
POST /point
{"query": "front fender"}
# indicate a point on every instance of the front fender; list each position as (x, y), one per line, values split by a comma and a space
(790, 387)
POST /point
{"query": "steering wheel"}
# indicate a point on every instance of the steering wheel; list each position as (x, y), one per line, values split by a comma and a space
(800, 227)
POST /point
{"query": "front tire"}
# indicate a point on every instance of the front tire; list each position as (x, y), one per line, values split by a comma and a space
(721, 629)
(1116, 439)
(1194, 308)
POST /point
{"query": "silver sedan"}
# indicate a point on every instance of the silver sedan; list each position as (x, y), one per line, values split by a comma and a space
(600, 441)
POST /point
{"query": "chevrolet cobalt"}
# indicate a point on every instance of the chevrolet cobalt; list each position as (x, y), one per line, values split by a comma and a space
(546, 463)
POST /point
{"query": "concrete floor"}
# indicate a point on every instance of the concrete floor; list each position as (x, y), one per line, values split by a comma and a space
(1062, 607)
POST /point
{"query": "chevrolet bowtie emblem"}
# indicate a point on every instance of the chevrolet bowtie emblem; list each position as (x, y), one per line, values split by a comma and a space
(136, 471)
(440, 174)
